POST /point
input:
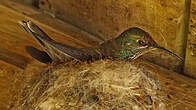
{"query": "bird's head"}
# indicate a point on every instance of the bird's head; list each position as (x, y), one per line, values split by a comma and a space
(135, 42)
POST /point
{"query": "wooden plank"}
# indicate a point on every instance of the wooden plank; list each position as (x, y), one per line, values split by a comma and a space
(13, 58)
(10, 84)
(190, 64)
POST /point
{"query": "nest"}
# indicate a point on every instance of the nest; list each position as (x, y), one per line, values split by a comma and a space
(102, 85)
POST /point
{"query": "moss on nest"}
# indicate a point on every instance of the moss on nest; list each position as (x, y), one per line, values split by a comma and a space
(99, 85)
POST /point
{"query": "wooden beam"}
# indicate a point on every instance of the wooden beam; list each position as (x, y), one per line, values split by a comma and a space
(190, 62)
(13, 58)
(10, 84)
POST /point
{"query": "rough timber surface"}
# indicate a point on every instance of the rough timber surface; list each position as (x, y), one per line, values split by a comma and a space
(190, 64)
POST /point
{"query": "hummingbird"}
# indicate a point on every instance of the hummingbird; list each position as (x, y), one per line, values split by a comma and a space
(129, 45)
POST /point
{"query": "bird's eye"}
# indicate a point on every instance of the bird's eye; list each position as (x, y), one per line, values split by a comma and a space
(141, 43)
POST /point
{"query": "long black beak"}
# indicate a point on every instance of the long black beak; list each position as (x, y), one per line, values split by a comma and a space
(169, 52)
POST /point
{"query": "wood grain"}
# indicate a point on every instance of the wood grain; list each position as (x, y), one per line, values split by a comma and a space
(190, 63)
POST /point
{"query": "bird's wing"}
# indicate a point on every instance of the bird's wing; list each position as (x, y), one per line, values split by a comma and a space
(38, 54)
(54, 50)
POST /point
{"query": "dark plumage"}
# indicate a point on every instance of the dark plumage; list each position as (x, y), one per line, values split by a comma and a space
(131, 44)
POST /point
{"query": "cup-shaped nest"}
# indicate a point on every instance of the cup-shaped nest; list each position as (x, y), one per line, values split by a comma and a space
(101, 85)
